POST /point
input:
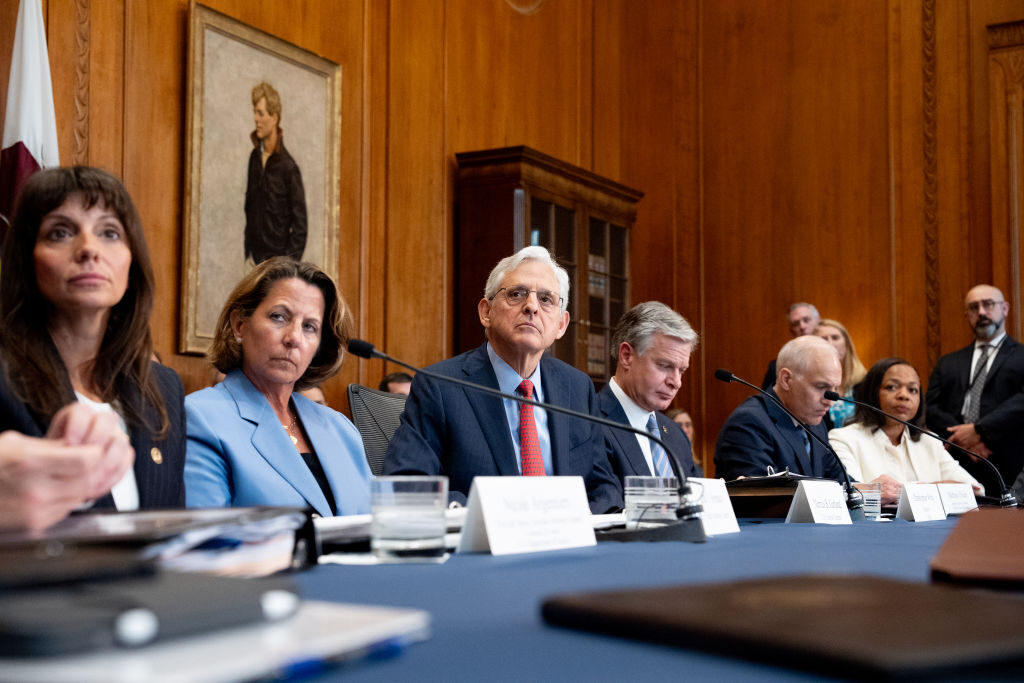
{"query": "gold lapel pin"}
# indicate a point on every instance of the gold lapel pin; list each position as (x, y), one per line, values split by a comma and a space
(157, 456)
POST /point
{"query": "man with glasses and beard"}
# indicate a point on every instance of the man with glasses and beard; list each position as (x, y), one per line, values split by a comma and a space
(451, 430)
(975, 396)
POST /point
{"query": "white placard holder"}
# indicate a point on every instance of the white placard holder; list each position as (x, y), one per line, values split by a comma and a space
(957, 498)
(820, 502)
(920, 503)
(508, 515)
(718, 516)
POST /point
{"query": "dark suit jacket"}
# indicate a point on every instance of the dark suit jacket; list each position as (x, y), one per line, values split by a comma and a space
(161, 485)
(624, 453)
(1001, 421)
(759, 433)
(455, 431)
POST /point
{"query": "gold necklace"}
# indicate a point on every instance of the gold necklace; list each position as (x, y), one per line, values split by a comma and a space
(288, 428)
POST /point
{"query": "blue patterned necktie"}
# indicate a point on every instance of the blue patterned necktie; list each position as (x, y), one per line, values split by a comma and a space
(658, 457)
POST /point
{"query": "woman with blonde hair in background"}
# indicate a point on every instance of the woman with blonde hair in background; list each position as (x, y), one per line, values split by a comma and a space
(835, 333)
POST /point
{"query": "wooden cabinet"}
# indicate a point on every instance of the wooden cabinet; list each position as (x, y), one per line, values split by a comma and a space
(513, 197)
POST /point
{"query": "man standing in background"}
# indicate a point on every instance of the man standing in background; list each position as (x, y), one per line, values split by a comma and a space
(976, 395)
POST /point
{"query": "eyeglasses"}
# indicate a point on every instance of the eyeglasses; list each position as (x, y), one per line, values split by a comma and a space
(516, 296)
(984, 304)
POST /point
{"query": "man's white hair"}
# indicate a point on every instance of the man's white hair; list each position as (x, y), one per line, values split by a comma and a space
(800, 354)
(510, 263)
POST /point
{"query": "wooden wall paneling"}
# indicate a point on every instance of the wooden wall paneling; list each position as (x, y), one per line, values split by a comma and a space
(914, 287)
(153, 167)
(688, 292)
(607, 67)
(67, 39)
(1006, 112)
(649, 121)
(370, 324)
(418, 298)
(796, 187)
(106, 85)
(515, 78)
(980, 267)
(8, 24)
(585, 74)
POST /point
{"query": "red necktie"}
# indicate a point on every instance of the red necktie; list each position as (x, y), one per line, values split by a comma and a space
(529, 444)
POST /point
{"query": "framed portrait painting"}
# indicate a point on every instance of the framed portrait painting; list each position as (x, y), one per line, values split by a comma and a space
(262, 160)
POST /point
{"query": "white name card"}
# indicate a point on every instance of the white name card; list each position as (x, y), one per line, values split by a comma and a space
(920, 503)
(820, 502)
(718, 516)
(957, 498)
(507, 515)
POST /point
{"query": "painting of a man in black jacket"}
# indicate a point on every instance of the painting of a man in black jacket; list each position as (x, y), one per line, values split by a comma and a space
(275, 202)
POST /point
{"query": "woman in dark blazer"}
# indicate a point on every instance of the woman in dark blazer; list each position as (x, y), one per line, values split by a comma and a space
(76, 294)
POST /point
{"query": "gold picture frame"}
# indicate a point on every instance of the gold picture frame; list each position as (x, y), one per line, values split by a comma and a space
(227, 59)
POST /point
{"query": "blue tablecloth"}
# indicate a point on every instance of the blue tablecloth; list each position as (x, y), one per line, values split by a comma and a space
(486, 610)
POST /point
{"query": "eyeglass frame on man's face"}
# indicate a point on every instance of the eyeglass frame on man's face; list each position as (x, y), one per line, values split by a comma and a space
(525, 292)
(983, 305)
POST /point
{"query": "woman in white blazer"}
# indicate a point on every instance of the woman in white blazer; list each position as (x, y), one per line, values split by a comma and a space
(878, 449)
(253, 439)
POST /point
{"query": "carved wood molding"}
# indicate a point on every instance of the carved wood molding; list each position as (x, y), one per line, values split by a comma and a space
(83, 31)
(1005, 35)
(931, 182)
(1012, 64)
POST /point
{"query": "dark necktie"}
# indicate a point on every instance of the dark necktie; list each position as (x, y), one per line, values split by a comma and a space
(529, 443)
(977, 384)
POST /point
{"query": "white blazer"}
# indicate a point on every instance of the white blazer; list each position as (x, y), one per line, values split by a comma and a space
(867, 453)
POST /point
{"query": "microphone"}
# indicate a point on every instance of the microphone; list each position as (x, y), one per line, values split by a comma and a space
(685, 512)
(1006, 498)
(854, 498)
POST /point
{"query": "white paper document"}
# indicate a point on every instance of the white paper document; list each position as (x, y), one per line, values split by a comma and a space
(920, 503)
(820, 502)
(507, 515)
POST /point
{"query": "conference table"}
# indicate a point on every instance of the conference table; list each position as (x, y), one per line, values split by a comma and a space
(487, 623)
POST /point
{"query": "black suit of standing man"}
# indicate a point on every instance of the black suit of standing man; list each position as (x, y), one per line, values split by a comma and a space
(990, 420)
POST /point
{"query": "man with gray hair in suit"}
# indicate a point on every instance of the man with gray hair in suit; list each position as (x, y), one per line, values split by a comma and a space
(652, 346)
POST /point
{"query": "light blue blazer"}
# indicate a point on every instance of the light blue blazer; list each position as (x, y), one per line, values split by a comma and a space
(238, 454)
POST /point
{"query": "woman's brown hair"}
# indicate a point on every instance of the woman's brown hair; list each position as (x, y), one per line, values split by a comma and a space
(226, 353)
(121, 370)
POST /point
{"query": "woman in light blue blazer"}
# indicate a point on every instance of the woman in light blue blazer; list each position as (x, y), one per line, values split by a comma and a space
(253, 439)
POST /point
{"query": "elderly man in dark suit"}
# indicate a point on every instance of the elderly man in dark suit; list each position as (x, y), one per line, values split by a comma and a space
(455, 431)
(652, 345)
(976, 395)
(759, 434)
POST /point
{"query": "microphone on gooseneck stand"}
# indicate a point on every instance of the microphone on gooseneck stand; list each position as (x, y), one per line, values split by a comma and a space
(688, 528)
(854, 498)
(1006, 498)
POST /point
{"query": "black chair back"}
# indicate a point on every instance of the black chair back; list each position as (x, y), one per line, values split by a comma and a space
(375, 414)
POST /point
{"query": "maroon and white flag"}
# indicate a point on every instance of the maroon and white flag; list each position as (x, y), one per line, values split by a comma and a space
(30, 126)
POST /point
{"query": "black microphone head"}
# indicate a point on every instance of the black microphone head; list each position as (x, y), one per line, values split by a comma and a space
(358, 347)
(723, 375)
(833, 396)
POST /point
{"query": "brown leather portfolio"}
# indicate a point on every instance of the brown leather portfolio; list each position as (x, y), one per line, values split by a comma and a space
(985, 548)
(847, 626)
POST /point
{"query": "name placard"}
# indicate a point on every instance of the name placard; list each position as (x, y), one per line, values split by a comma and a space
(920, 503)
(957, 498)
(507, 515)
(718, 516)
(820, 502)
